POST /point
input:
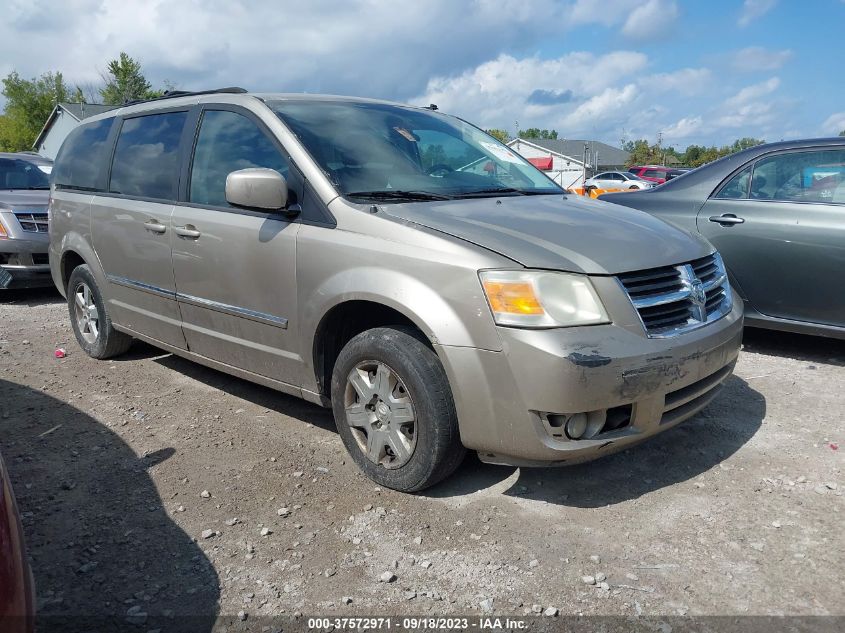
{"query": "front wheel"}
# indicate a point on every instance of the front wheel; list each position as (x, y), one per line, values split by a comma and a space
(394, 409)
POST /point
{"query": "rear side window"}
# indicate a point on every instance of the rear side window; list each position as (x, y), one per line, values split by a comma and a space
(227, 142)
(737, 187)
(146, 159)
(653, 173)
(81, 157)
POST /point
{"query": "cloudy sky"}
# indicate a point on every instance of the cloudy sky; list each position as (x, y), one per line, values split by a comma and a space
(697, 72)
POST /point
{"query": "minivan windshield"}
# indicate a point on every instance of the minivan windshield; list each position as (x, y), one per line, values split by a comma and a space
(395, 153)
(16, 173)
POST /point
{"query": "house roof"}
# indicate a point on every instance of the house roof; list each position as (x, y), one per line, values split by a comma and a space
(81, 111)
(608, 155)
(78, 111)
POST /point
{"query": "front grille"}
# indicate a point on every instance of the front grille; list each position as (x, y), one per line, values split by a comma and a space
(32, 222)
(674, 299)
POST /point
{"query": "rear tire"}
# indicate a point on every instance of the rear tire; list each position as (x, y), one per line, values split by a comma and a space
(394, 409)
(89, 318)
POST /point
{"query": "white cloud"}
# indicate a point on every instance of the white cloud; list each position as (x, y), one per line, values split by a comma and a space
(505, 89)
(757, 58)
(601, 109)
(753, 9)
(640, 19)
(755, 91)
(368, 47)
(835, 123)
(683, 128)
(651, 19)
(687, 81)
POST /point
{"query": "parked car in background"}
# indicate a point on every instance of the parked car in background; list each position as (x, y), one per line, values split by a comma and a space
(17, 597)
(677, 171)
(397, 264)
(657, 174)
(776, 213)
(617, 180)
(24, 194)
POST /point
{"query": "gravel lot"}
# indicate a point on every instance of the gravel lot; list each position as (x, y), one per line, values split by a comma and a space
(151, 486)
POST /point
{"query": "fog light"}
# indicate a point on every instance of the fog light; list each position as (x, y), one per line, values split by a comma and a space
(576, 426)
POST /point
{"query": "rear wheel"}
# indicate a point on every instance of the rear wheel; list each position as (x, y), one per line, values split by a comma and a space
(394, 409)
(90, 320)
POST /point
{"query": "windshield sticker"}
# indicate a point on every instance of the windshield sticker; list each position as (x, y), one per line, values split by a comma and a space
(407, 134)
(502, 153)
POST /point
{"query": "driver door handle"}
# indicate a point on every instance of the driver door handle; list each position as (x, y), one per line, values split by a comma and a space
(154, 226)
(189, 230)
(726, 219)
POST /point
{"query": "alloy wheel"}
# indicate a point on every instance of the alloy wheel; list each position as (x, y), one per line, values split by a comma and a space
(87, 315)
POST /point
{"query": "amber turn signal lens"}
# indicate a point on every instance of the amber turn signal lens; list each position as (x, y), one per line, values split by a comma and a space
(512, 297)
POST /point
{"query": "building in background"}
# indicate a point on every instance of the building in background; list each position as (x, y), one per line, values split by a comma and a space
(63, 118)
(563, 160)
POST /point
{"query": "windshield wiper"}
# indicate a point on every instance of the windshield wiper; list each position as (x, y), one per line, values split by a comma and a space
(492, 190)
(398, 194)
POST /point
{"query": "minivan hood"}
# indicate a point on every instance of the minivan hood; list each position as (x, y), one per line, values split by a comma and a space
(559, 232)
(23, 198)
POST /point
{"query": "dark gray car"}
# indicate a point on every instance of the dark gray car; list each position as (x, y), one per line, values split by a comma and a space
(776, 213)
(24, 194)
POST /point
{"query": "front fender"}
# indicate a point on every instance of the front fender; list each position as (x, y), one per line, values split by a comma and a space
(440, 319)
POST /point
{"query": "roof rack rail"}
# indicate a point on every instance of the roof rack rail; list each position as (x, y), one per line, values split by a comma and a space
(172, 94)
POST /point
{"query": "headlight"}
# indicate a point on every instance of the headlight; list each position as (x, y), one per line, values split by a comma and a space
(539, 299)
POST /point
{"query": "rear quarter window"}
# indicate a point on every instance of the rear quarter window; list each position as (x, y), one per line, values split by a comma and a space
(82, 156)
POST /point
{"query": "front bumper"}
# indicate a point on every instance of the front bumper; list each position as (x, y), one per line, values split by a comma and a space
(24, 263)
(504, 399)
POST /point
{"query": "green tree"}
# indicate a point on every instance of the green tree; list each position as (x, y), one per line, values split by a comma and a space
(842, 133)
(502, 135)
(534, 132)
(29, 103)
(125, 82)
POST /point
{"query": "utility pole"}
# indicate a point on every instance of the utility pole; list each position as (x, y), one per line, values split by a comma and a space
(584, 180)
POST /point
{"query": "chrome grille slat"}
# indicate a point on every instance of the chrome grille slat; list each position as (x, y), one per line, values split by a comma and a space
(675, 299)
(32, 222)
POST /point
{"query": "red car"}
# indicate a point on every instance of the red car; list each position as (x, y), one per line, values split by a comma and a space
(655, 173)
(17, 598)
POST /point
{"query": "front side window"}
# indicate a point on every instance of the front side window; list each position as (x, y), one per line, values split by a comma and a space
(227, 142)
(81, 157)
(21, 174)
(808, 176)
(146, 159)
(653, 173)
(381, 150)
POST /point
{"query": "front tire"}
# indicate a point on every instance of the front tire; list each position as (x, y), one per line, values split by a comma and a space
(394, 409)
(89, 318)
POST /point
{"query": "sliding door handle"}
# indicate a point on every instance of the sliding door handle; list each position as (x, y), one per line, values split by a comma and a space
(154, 226)
(189, 230)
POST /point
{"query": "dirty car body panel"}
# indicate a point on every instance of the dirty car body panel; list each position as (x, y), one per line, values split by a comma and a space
(256, 291)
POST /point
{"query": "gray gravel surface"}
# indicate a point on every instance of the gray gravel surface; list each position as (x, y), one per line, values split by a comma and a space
(151, 486)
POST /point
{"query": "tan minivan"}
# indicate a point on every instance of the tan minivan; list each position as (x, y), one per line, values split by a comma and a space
(394, 263)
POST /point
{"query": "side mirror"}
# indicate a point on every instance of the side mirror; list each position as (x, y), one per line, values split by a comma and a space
(257, 188)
